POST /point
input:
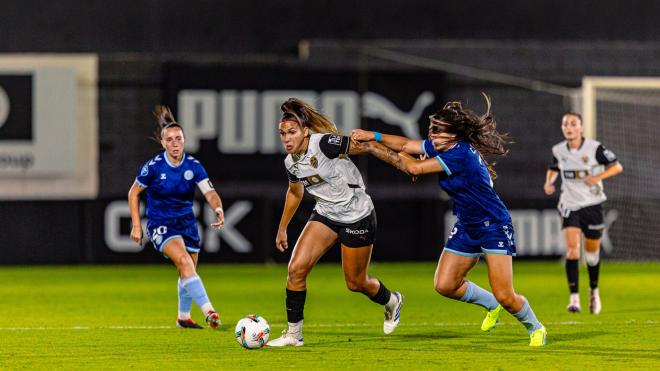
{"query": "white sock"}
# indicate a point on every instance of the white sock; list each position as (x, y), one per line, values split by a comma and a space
(575, 299)
(295, 327)
(206, 308)
(594, 292)
(184, 315)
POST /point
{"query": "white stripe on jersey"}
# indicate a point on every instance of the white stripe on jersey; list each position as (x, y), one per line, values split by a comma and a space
(336, 183)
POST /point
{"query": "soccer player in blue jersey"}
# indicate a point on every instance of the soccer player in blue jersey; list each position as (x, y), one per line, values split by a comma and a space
(170, 180)
(457, 142)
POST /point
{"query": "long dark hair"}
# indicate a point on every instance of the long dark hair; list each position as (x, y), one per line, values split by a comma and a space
(295, 109)
(479, 130)
(164, 120)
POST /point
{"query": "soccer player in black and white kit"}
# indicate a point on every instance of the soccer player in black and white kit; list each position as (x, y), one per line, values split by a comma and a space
(317, 161)
(583, 165)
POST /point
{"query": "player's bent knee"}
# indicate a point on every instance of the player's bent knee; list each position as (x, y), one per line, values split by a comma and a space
(355, 285)
(446, 288)
(297, 273)
(183, 262)
(507, 298)
(185, 265)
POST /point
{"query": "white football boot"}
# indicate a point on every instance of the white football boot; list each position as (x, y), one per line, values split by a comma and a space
(392, 314)
(288, 339)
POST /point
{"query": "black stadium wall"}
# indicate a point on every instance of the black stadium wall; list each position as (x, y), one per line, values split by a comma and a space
(225, 74)
(253, 26)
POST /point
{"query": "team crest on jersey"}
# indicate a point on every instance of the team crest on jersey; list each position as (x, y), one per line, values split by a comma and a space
(145, 170)
(163, 176)
(314, 162)
(188, 175)
(585, 159)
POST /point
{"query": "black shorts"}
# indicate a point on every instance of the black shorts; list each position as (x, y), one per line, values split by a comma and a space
(359, 234)
(589, 219)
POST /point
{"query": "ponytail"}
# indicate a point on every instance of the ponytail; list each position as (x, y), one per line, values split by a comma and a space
(164, 119)
(307, 116)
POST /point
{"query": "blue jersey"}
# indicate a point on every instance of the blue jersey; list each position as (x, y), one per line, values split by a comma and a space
(467, 181)
(170, 189)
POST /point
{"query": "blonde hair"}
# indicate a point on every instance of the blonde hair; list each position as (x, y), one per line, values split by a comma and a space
(295, 109)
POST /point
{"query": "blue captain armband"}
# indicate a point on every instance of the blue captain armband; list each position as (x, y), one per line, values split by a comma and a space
(378, 137)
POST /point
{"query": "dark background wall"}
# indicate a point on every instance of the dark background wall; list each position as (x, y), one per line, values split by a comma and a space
(555, 41)
(253, 26)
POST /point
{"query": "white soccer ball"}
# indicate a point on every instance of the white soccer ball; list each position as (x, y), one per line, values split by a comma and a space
(252, 331)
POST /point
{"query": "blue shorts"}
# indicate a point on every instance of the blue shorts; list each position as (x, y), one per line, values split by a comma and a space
(162, 231)
(474, 240)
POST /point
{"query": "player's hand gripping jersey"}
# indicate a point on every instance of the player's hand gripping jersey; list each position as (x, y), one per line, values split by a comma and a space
(467, 181)
(331, 177)
(170, 189)
(590, 158)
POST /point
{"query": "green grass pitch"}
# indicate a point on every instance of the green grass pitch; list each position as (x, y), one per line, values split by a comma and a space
(122, 317)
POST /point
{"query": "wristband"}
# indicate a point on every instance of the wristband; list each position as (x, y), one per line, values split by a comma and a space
(378, 137)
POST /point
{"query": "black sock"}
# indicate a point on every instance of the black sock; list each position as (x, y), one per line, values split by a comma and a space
(295, 304)
(572, 275)
(593, 275)
(382, 296)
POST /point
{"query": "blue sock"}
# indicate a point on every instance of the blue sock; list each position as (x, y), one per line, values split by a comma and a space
(527, 317)
(185, 300)
(195, 288)
(476, 295)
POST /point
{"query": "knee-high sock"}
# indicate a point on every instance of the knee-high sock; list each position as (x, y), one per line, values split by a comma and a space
(185, 301)
(196, 290)
(527, 317)
(572, 275)
(295, 305)
(476, 295)
(593, 267)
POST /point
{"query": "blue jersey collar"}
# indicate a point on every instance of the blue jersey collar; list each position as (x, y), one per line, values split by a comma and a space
(167, 159)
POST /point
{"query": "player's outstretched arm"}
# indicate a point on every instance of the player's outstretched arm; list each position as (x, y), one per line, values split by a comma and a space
(134, 206)
(403, 161)
(394, 142)
(294, 196)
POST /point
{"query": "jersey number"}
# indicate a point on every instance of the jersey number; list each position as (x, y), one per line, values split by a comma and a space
(159, 231)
